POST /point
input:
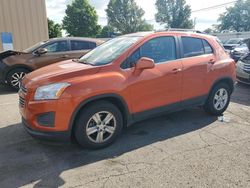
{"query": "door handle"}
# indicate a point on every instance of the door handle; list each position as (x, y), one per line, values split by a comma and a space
(65, 56)
(175, 71)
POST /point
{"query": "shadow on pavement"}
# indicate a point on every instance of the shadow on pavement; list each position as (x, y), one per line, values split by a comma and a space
(5, 89)
(241, 94)
(24, 160)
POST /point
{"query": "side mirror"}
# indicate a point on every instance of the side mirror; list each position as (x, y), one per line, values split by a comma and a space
(41, 51)
(145, 63)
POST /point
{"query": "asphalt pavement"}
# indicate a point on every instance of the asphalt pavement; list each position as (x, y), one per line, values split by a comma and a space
(182, 149)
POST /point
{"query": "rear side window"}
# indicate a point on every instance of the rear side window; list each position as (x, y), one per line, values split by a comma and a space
(192, 46)
(208, 49)
(92, 45)
(159, 49)
(82, 45)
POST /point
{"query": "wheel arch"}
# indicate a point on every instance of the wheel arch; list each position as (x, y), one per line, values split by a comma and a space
(228, 80)
(115, 99)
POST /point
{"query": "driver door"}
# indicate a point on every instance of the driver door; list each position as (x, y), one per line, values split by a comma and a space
(154, 90)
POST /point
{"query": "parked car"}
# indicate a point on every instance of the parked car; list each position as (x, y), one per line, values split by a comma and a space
(15, 65)
(232, 43)
(125, 80)
(243, 66)
(239, 51)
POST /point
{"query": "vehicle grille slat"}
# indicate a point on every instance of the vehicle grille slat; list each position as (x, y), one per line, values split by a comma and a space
(21, 102)
(23, 89)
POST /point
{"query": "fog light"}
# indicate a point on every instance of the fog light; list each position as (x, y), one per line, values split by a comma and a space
(46, 119)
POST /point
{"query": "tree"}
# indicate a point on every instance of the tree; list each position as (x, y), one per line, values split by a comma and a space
(55, 30)
(174, 13)
(106, 32)
(236, 17)
(81, 19)
(126, 17)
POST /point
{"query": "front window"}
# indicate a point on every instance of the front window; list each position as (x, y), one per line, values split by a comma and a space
(60, 46)
(34, 47)
(109, 51)
(161, 49)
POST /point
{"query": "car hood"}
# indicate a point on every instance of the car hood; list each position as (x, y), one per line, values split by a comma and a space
(59, 72)
(8, 53)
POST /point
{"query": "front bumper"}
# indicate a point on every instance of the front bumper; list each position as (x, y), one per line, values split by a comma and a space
(50, 136)
(242, 76)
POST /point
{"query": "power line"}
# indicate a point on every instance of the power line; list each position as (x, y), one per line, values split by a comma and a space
(214, 7)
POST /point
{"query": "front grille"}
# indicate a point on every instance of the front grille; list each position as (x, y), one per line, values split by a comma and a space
(23, 89)
(246, 67)
(21, 102)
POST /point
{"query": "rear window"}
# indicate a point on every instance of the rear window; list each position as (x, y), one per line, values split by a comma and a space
(192, 46)
(82, 45)
(195, 47)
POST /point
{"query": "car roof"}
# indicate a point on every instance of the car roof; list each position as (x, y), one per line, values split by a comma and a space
(174, 33)
(98, 41)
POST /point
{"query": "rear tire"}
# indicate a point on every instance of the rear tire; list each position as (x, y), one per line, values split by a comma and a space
(15, 77)
(218, 99)
(98, 125)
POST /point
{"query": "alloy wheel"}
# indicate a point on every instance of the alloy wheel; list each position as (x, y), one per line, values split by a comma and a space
(17, 78)
(101, 127)
(220, 99)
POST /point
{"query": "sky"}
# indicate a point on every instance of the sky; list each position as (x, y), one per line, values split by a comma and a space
(204, 19)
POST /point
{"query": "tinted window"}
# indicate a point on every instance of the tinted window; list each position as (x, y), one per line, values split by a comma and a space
(92, 45)
(82, 45)
(159, 49)
(208, 49)
(192, 46)
(60, 46)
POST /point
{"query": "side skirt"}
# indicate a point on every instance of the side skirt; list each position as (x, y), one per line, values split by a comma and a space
(194, 102)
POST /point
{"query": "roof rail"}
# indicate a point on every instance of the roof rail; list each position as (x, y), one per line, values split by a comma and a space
(182, 30)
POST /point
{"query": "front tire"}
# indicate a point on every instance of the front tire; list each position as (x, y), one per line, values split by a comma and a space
(218, 99)
(15, 77)
(98, 125)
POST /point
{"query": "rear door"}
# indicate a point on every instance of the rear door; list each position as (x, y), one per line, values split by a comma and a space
(57, 51)
(197, 59)
(79, 48)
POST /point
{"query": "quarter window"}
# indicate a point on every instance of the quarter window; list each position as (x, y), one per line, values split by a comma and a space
(208, 49)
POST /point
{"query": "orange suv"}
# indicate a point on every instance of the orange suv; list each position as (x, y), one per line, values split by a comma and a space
(125, 80)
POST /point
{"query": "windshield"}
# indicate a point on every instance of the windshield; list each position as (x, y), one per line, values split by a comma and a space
(243, 45)
(109, 51)
(34, 47)
(233, 41)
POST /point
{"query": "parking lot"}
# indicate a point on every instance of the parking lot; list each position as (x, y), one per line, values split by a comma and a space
(183, 149)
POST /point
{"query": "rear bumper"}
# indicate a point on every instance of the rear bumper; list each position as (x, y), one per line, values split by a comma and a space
(48, 136)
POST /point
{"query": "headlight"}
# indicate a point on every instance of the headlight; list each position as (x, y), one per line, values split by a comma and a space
(240, 64)
(52, 91)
